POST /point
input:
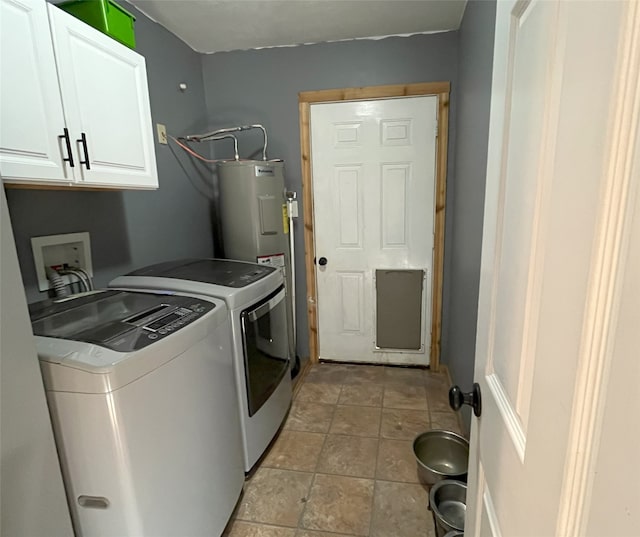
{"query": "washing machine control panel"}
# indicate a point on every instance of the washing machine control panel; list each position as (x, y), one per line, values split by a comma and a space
(124, 321)
(166, 321)
(148, 327)
(172, 320)
(176, 319)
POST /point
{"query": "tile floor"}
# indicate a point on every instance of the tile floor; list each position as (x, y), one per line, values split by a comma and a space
(343, 463)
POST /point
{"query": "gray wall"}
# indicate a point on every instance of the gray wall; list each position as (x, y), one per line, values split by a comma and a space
(133, 228)
(473, 100)
(130, 229)
(261, 86)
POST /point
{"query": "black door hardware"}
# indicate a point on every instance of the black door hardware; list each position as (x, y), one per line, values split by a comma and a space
(83, 141)
(67, 142)
(457, 398)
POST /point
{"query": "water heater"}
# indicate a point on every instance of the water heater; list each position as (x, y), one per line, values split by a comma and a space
(253, 217)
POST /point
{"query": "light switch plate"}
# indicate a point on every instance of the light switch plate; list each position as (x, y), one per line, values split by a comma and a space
(162, 133)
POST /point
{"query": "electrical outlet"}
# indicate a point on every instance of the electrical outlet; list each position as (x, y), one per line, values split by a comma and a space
(72, 249)
(162, 133)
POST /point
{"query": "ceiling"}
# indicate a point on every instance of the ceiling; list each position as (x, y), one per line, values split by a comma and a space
(210, 26)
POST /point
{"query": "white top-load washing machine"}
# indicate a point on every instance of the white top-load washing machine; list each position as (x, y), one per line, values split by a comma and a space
(143, 402)
(255, 296)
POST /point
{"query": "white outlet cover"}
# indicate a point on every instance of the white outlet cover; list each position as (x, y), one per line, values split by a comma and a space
(44, 248)
(162, 133)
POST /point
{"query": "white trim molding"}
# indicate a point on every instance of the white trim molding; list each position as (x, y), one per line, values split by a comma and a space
(609, 253)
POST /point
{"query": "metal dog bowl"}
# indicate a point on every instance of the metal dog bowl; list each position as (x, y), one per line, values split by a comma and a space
(448, 501)
(441, 455)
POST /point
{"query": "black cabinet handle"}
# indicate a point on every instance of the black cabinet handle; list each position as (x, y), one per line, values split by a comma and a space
(83, 141)
(67, 142)
(474, 399)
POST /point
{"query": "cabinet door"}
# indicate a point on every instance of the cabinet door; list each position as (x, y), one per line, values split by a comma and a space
(30, 102)
(106, 99)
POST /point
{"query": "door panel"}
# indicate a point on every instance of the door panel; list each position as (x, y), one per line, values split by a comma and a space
(489, 518)
(350, 318)
(395, 207)
(348, 186)
(31, 107)
(547, 153)
(351, 293)
(373, 165)
(105, 86)
(523, 204)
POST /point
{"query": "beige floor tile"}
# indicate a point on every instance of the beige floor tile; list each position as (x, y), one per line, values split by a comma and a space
(310, 533)
(361, 394)
(406, 397)
(348, 455)
(247, 529)
(326, 374)
(295, 450)
(346, 374)
(445, 420)
(438, 392)
(396, 461)
(348, 443)
(438, 402)
(275, 497)
(364, 374)
(437, 381)
(403, 424)
(356, 421)
(310, 417)
(405, 376)
(339, 504)
(319, 393)
(400, 509)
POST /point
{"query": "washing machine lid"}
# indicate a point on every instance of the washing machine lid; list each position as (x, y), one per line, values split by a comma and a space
(214, 271)
(123, 321)
(100, 342)
(238, 283)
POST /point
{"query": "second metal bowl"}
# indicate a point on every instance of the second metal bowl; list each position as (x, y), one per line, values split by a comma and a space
(441, 455)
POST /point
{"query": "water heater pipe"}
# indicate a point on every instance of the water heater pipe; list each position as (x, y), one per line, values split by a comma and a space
(291, 200)
(235, 143)
(214, 135)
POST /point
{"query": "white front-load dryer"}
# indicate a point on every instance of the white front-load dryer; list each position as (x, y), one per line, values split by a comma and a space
(256, 298)
(143, 402)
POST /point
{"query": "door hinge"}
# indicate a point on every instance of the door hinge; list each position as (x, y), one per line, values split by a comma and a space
(436, 129)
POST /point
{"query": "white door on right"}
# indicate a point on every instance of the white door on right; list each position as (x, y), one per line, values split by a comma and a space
(373, 165)
(564, 111)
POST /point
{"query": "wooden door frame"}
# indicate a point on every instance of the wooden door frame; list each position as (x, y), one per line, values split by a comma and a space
(305, 99)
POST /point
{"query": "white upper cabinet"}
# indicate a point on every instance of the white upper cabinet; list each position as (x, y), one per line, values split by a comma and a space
(31, 116)
(105, 95)
(100, 85)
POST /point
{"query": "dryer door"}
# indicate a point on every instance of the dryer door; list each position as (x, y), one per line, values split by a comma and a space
(265, 340)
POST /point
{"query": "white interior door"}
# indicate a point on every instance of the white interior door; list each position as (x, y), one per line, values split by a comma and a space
(373, 166)
(564, 94)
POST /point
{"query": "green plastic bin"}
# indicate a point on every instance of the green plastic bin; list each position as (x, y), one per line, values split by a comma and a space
(106, 16)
